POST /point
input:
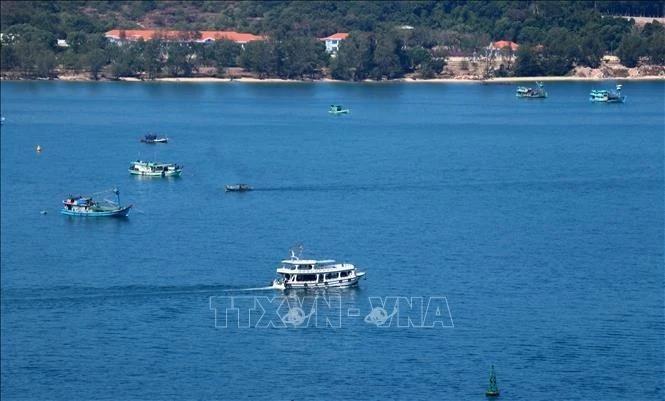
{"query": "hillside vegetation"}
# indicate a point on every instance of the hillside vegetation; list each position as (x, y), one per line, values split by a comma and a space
(389, 39)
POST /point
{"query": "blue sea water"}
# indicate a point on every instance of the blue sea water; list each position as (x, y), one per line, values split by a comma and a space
(540, 221)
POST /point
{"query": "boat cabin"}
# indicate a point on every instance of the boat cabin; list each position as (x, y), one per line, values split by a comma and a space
(316, 273)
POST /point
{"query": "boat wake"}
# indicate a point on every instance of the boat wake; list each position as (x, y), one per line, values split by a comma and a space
(250, 289)
(67, 293)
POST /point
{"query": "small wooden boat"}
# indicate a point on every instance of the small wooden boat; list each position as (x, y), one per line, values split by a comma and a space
(237, 188)
(532, 93)
(154, 169)
(153, 139)
(86, 207)
(607, 96)
(338, 110)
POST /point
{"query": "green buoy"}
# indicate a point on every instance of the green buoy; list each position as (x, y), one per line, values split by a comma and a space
(492, 389)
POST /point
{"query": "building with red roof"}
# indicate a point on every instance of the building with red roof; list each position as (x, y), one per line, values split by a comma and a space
(332, 42)
(133, 35)
(502, 44)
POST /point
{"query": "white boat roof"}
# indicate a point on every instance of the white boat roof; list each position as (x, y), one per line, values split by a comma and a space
(307, 261)
(152, 163)
(322, 269)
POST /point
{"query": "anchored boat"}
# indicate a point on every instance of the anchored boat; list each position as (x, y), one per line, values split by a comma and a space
(532, 93)
(237, 188)
(154, 169)
(153, 139)
(337, 109)
(607, 96)
(310, 273)
(87, 207)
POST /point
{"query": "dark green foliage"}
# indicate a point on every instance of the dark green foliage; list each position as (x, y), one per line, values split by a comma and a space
(354, 60)
(182, 59)
(631, 49)
(222, 54)
(260, 57)
(529, 62)
(300, 57)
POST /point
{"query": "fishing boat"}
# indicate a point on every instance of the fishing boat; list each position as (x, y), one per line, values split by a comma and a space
(492, 389)
(85, 206)
(154, 169)
(607, 96)
(337, 110)
(296, 273)
(532, 93)
(237, 188)
(153, 139)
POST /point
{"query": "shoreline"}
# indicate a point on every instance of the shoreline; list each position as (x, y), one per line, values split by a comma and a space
(502, 80)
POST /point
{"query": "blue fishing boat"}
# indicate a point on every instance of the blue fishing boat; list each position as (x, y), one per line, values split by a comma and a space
(607, 96)
(85, 206)
(532, 93)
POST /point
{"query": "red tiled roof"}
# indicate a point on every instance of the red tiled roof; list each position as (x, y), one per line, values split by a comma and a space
(336, 36)
(148, 34)
(505, 43)
(230, 35)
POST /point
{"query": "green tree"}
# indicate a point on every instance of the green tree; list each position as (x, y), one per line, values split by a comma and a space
(528, 63)
(152, 58)
(224, 53)
(300, 56)
(8, 58)
(354, 58)
(182, 59)
(630, 50)
(96, 60)
(45, 64)
(260, 57)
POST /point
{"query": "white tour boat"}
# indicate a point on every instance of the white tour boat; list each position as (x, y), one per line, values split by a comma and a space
(153, 169)
(310, 273)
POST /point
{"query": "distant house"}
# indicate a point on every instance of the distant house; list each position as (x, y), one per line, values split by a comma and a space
(332, 42)
(133, 35)
(504, 44)
(62, 43)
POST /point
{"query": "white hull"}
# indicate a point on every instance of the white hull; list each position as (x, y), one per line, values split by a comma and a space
(337, 283)
(156, 174)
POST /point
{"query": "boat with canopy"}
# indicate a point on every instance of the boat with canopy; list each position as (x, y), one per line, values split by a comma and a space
(85, 206)
(296, 273)
(538, 92)
(154, 169)
(607, 96)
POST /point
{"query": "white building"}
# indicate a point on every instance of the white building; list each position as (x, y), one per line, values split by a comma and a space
(332, 42)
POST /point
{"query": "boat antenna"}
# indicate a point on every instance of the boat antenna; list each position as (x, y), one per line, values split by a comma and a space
(296, 251)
